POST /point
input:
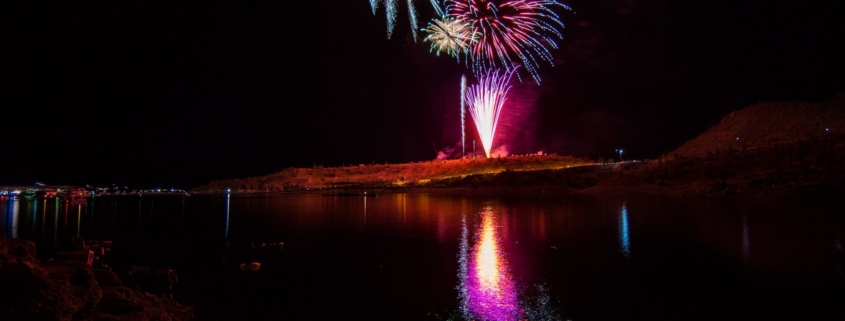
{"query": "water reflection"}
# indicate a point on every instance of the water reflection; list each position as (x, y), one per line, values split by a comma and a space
(840, 261)
(4, 217)
(487, 291)
(34, 215)
(746, 246)
(47, 221)
(624, 236)
(78, 219)
(227, 246)
(56, 222)
(226, 230)
(12, 218)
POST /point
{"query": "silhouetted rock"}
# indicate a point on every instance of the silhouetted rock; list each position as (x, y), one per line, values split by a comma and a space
(68, 291)
(769, 123)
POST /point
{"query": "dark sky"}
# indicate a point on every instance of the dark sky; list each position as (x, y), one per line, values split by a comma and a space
(175, 94)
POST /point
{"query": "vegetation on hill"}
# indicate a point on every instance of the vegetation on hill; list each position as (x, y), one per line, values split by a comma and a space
(389, 175)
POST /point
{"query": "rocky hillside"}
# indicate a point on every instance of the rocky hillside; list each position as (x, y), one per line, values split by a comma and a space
(770, 150)
(785, 150)
(30, 290)
(765, 124)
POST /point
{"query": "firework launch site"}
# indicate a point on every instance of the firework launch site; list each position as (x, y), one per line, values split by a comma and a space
(769, 150)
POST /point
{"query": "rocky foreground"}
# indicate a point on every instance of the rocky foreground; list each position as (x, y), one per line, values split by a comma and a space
(31, 290)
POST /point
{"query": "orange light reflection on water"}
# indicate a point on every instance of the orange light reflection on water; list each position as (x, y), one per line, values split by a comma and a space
(487, 257)
(487, 289)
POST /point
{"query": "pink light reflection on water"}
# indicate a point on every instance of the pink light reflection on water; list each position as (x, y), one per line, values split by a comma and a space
(486, 289)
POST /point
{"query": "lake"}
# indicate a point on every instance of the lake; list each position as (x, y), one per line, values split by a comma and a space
(458, 255)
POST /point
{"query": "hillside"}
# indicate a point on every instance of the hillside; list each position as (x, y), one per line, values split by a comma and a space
(389, 175)
(765, 124)
(785, 149)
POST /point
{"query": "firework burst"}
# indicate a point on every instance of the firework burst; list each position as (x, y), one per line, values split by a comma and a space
(451, 36)
(485, 101)
(523, 30)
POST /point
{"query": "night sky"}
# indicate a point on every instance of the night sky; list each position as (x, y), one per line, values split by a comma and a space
(175, 94)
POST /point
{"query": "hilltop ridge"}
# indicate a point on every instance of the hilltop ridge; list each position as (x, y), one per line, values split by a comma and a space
(768, 123)
(770, 150)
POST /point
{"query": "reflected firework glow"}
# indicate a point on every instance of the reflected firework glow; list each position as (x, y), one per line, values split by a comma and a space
(486, 289)
(13, 215)
(624, 238)
(746, 246)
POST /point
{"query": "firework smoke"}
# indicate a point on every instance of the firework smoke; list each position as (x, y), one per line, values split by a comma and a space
(485, 101)
(513, 29)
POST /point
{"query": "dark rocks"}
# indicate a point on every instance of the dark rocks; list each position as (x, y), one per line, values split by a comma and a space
(68, 291)
(30, 291)
(17, 247)
(117, 300)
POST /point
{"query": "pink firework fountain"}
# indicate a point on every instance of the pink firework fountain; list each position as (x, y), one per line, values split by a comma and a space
(485, 101)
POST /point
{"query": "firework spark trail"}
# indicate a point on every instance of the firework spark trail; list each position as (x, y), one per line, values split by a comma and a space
(437, 8)
(412, 15)
(392, 9)
(463, 114)
(485, 101)
(514, 29)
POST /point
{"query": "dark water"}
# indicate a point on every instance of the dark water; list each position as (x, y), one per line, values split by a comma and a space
(454, 256)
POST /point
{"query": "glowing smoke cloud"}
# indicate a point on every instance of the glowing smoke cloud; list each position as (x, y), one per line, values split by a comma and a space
(514, 29)
(487, 291)
(463, 114)
(485, 101)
